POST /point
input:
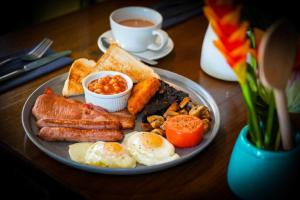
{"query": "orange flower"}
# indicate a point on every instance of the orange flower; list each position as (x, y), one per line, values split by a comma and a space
(232, 41)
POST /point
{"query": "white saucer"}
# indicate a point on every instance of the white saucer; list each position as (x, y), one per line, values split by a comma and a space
(152, 55)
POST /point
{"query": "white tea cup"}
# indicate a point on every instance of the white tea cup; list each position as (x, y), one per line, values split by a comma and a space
(136, 29)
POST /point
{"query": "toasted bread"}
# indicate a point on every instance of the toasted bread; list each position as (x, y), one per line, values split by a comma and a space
(117, 59)
(78, 71)
(114, 59)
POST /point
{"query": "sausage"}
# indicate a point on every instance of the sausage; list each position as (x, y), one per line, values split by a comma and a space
(79, 135)
(79, 123)
(126, 119)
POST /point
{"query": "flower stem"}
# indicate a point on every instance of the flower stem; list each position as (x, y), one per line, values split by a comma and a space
(277, 142)
(252, 136)
(252, 116)
(269, 123)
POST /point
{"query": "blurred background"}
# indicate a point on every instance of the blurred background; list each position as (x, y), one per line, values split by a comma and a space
(18, 14)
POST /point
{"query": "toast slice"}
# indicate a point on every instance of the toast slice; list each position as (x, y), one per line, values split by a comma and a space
(78, 71)
(117, 59)
(114, 59)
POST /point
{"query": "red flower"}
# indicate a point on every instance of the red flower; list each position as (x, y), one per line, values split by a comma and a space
(232, 41)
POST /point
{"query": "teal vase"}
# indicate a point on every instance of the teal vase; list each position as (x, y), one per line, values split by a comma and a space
(255, 173)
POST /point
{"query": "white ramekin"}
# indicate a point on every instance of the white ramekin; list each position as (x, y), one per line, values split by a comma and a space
(113, 102)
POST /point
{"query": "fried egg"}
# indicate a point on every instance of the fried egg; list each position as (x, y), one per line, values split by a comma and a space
(149, 148)
(77, 151)
(109, 154)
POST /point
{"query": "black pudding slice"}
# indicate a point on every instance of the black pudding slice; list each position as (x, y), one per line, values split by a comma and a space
(161, 101)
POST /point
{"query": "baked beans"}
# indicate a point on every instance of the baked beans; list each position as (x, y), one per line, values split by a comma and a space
(108, 85)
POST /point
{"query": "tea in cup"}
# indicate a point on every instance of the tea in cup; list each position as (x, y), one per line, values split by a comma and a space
(136, 29)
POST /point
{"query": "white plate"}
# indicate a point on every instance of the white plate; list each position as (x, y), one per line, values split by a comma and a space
(152, 55)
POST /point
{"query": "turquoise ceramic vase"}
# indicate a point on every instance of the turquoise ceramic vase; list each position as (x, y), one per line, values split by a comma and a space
(255, 173)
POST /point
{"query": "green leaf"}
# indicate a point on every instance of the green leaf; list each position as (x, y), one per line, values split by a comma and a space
(252, 38)
(252, 62)
(252, 83)
(293, 95)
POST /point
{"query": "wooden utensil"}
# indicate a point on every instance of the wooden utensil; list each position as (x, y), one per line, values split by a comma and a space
(276, 58)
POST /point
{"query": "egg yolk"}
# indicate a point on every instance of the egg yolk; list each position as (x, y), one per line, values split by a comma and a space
(113, 147)
(151, 140)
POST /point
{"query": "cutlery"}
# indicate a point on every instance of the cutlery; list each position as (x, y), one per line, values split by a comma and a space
(106, 43)
(34, 65)
(276, 57)
(36, 53)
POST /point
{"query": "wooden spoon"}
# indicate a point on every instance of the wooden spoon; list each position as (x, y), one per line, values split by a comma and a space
(276, 58)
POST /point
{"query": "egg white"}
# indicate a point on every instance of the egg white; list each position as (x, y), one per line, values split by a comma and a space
(147, 155)
(97, 155)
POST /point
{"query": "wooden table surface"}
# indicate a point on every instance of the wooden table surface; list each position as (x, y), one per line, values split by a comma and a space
(204, 176)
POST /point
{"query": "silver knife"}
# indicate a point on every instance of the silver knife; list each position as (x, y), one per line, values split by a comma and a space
(35, 64)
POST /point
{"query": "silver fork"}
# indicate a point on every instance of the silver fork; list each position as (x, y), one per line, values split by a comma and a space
(36, 53)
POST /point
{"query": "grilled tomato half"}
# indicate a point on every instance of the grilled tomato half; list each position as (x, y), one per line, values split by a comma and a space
(184, 130)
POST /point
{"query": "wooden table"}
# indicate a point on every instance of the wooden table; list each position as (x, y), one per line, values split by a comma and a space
(204, 176)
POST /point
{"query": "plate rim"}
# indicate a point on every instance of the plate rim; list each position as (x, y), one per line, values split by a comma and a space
(126, 171)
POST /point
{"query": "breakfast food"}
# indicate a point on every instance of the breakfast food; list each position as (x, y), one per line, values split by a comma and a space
(141, 94)
(156, 123)
(164, 97)
(102, 154)
(169, 102)
(79, 123)
(107, 89)
(52, 106)
(149, 148)
(79, 135)
(184, 130)
(169, 115)
(114, 59)
(108, 85)
(62, 119)
(109, 154)
(117, 59)
(77, 151)
(78, 71)
(126, 119)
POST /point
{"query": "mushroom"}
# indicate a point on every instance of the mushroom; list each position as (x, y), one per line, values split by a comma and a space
(158, 131)
(200, 111)
(155, 120)
(163, 126)
(184, 102)
(183, 112)
(206, 123)
(170, 113)
(173, 107)
(205, 114)
(196, 110)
